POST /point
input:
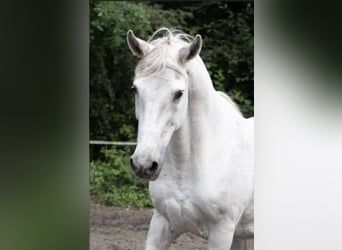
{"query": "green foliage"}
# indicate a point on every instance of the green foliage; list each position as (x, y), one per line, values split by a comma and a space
(112, 183)
(244, 104)
(227, 31)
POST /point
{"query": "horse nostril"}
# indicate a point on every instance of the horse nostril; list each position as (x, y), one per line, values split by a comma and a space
(151, 170)
(134, 167)
(154, 166)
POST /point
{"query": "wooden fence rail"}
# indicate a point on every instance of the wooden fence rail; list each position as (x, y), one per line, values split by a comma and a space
(116, 143)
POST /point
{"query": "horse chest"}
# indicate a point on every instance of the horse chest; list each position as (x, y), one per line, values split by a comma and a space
(181, 208)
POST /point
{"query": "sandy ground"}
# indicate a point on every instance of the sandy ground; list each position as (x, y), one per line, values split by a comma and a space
(117, 228)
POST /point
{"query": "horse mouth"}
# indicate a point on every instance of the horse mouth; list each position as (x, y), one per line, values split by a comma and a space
(149, 177)
(153, 178)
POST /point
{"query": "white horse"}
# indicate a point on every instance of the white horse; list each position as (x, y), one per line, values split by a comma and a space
(194, 146)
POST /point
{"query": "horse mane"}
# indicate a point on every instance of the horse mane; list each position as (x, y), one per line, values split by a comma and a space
(164, 42)
(229, 100)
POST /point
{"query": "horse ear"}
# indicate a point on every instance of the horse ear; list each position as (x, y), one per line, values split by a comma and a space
(191, 50)
(137, 46)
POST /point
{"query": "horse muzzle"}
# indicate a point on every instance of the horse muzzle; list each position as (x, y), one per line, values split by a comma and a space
(148, 170)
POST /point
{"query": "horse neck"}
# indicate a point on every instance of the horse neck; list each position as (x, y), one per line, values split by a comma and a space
(201, 90)
(187, 140)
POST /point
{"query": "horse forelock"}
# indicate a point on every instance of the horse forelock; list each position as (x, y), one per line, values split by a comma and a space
(166, 43)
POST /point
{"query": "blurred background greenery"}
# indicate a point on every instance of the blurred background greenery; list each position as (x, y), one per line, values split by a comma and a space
(227, 29)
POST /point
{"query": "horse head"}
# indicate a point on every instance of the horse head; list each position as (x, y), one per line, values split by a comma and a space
(161, 96)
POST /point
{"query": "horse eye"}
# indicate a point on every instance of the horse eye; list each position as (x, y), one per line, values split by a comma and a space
(134, 89)
(178, 95)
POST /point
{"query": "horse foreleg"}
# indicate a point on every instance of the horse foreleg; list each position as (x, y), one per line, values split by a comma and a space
(159, 235)
(241, 244)
(221, 235)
